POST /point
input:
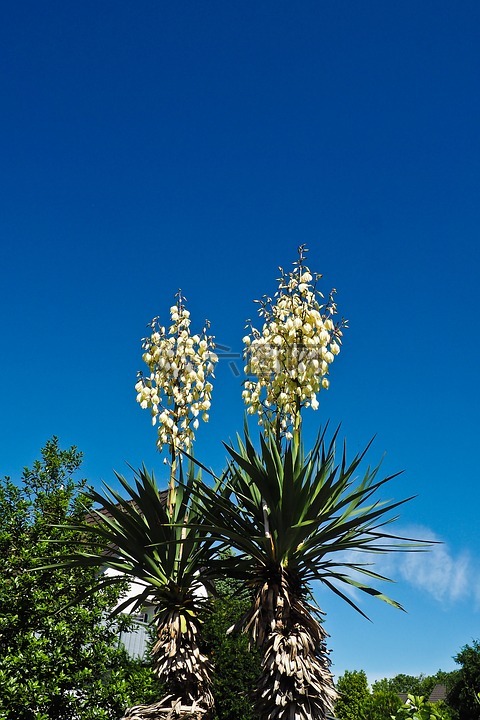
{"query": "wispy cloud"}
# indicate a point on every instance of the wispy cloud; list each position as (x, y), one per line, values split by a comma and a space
(439, 571)
(446, 575)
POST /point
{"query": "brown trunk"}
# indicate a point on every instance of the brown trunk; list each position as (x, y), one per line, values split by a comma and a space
(168, 709)
(295, 680)
(185, 671)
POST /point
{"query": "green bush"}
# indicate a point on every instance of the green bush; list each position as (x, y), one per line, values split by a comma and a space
(59, 657)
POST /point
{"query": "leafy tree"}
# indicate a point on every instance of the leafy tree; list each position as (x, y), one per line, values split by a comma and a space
(383, 701)
(464, 696)
(353, 696)
(401, 683)
(383, 704)
(418, 685)
(56, 662)
(415, 685)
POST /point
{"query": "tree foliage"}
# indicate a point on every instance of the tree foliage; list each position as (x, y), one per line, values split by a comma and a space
(383, 701)
(418, 685)
(59, 657)
(354, 696)
(464, 696)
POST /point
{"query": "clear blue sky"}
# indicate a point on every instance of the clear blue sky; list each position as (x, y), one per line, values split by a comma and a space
(155, 145)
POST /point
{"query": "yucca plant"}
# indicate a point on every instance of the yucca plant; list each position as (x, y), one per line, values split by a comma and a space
(158, 540)
(294, 519)
(167, 559)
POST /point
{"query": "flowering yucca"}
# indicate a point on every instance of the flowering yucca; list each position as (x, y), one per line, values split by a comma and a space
(289, 360)
(177, 390)
(178, 393)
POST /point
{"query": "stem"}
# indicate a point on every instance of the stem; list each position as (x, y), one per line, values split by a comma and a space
(265, 519)
(266, 524)
(278, 432)
(297, 422)
(172, 490)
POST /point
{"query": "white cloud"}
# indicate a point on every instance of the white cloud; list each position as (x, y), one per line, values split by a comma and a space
(446, 575)
(438, 570)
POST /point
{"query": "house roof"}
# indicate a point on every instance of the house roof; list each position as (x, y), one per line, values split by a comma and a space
(438, 693)
(91, 517)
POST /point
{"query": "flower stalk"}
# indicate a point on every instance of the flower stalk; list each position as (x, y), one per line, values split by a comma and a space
(177, 388)
(288, 360)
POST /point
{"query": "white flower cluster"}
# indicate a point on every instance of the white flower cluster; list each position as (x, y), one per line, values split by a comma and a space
(177, 390)
(288, 361)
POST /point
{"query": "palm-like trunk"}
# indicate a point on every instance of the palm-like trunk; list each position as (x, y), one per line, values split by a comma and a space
(186, 672)
(177, 660)
(296, 682)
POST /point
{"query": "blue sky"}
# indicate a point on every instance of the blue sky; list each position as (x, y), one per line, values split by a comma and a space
(155, 145)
